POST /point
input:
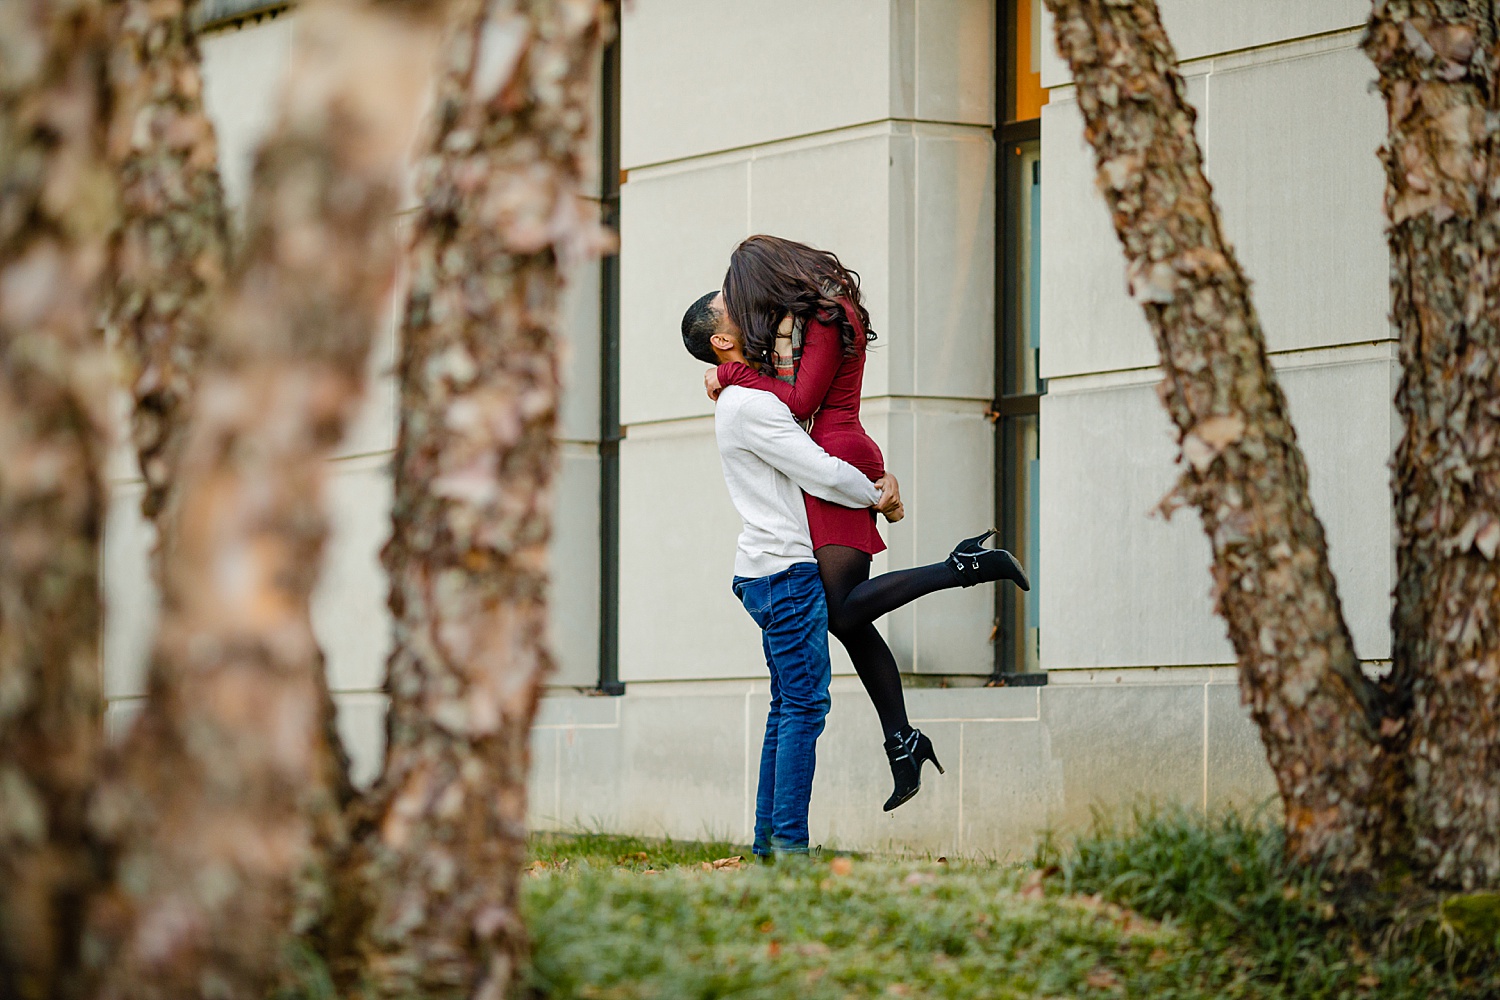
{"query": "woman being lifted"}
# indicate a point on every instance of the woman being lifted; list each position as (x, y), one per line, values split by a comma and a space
(805, 323)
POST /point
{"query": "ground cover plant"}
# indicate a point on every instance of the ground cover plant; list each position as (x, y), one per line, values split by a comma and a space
(1167, 905)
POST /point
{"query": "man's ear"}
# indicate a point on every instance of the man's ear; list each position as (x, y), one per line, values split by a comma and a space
(722, 341)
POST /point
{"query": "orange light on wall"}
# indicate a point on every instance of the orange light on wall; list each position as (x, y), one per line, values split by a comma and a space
(1025, 60)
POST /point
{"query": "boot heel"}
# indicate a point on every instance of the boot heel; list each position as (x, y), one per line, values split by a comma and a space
(929, 754)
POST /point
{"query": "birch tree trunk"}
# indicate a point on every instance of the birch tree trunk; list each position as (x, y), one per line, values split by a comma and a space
(1244, 471)
(444, 838)
(216, 789)
(56, 209)
(168, 268)
(1439, 73)
(171, 254)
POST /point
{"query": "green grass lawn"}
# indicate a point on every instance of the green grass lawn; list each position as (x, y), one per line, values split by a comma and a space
(1173, 907)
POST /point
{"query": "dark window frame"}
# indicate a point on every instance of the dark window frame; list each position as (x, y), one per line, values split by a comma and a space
(1009, 655)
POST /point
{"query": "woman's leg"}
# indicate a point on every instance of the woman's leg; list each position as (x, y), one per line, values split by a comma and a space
(885, 593)
(844, 571)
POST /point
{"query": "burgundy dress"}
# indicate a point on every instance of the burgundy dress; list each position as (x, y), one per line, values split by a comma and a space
(828, 385)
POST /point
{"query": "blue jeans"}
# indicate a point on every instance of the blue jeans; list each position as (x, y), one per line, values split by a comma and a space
(792, 614)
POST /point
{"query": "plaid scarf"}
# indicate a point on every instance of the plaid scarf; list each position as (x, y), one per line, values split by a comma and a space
(786, 355)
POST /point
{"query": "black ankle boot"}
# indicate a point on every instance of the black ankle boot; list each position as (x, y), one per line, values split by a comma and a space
(906, 751)
(973, 564)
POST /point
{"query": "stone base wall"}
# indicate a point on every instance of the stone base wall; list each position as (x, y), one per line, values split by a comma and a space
(680, 760)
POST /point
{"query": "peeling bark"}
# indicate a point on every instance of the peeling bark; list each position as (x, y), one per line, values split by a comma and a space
(171, 253)
(1439, 73)
(1244, 470)
(57, 205)
(169, 261)
(214, 796)
(444, 834)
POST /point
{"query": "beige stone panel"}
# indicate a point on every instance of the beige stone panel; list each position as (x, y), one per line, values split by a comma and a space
(844, 193)
(942, 453)
(349, 612)
(678, 618)
(574, 555)
(590, 784)
(973, 704)
(541, 781)
(1291, 147)
(955, 60)
(1126, 589)
(954, 259)
(1124, 745)
(678, 229)
(242, 72)
(854, 780)
(361, 724)
(700, 76)
(949, 496)
(131, 601)
(1206, 27)
(1346, 424)
(1012, 785)
(1238, 775)
(1144, 583)
(1121, 587)
(682, 766)
(1089, 322)
(575, 766)
(578, 415)
(567, 709)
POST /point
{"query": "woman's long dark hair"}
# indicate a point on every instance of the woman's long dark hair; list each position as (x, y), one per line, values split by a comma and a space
(769, 277)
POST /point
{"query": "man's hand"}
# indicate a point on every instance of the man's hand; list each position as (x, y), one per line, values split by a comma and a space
(889, 503)
(711, 384)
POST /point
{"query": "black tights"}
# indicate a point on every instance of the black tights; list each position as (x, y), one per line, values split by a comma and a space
(855, 601)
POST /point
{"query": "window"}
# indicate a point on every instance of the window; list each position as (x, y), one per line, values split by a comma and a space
(1019, 386)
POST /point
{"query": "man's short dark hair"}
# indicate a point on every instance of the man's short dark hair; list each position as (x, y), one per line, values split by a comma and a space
(699, 323)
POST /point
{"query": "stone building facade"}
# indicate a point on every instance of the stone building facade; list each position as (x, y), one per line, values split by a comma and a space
(936, 146)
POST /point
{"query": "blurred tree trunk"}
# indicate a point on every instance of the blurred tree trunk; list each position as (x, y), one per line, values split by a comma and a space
(1318, 715)
(56, 209)
(1440, 75)
(434, 874)
(168, 268)
(215, 792)
(171, 253)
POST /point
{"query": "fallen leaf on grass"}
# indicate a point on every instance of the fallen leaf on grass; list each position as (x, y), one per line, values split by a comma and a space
(919, 878)
(724, 864)
(651, 871)
(1369, 981)
(1157, 956)
(1032, 887)
(1102, 979)
(773, 950)
(637, 856)
(841, 866)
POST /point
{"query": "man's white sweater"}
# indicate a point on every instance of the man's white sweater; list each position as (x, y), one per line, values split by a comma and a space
(768, 460)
